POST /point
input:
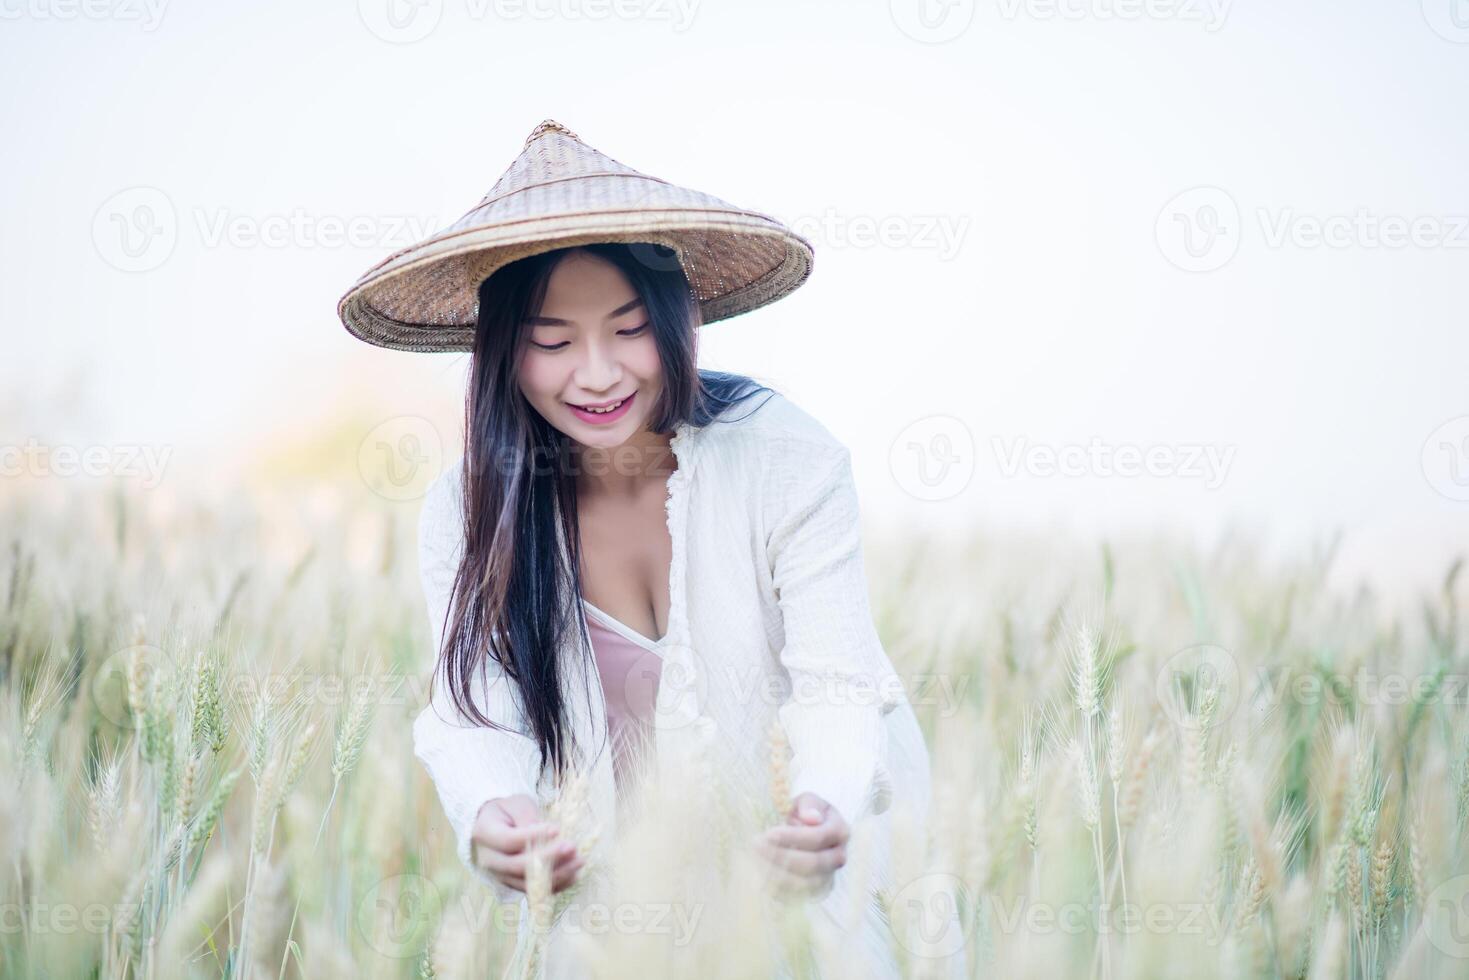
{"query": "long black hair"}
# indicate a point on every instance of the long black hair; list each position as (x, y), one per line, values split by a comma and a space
(514, 597)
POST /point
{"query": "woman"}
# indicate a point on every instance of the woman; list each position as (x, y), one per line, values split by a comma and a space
(635, 562)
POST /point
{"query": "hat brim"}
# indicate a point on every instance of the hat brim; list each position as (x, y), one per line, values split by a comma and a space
(425, 298)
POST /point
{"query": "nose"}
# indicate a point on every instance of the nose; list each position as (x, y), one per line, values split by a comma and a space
(598, 370)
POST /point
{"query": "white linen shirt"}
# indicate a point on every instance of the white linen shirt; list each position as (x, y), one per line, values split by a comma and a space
(767, 593)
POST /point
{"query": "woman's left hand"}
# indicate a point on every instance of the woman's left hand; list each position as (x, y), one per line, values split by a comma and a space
(806, 851)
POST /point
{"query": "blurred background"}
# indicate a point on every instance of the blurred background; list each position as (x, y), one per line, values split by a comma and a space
(1144, 322)
(1083, 267)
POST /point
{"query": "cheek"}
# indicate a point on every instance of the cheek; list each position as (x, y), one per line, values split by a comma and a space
(645, 363)
(538, 378)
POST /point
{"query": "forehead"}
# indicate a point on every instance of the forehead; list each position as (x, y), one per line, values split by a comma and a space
(584, 286)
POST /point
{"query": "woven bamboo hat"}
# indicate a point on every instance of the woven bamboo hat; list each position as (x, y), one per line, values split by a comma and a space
(558, 193)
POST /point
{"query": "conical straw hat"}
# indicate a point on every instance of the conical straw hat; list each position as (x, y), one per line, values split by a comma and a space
(560, 192)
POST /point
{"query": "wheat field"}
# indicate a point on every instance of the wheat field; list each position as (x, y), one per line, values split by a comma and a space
(1148, 762)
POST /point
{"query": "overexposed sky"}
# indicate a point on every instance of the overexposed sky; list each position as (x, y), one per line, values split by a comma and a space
(1228, 238)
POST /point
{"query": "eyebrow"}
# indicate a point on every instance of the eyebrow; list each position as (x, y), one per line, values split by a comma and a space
(551, 321)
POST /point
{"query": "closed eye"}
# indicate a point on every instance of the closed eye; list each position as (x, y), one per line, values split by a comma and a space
(629, 332)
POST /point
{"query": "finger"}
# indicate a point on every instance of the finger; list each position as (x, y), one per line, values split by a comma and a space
(521, 809)
(805, 862)
(513, 840)
(565, 877)
(564, 855)
(810, 809)
(501, 863)
(805, 816)
(819, 837)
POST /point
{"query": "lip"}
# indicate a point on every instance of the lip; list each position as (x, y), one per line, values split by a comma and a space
(606, 418)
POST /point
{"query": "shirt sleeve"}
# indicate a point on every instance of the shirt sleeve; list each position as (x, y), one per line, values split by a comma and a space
(469, 765)
(842, 682)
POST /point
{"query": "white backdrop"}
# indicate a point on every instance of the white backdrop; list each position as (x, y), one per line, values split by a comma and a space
(1229, 240)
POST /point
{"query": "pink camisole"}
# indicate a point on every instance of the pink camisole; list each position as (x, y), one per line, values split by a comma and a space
(630, 667)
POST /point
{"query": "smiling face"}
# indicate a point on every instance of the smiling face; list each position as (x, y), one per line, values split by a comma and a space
(592, 349)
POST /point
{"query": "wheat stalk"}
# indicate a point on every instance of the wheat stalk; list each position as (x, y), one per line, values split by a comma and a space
(780, 776)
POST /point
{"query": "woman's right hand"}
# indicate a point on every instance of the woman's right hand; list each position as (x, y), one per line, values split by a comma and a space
(504, 831)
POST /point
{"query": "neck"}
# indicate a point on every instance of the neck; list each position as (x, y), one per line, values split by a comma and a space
(625, 470)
